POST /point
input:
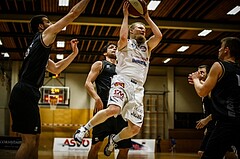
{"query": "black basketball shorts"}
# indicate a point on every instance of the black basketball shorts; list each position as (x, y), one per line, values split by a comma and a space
(24, 109)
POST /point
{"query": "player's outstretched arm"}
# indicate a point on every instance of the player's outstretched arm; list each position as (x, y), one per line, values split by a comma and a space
(58, 67)
(50, 33)
(157, 34)
(92, 76)
(123, 37)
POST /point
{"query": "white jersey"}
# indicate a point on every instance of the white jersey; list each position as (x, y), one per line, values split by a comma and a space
(133, 61)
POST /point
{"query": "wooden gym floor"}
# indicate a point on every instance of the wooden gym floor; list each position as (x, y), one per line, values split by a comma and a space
(9, 154)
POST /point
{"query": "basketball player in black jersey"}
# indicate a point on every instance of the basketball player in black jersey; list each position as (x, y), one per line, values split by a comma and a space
(223, 82)
(101, 73)
(207, 121)
(25, 95)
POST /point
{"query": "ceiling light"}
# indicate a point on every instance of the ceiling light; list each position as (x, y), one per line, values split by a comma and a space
(1, 42)
(60, 43)
(167, 60)
(63, 3)
(5, 54)
(59, 56)
(204, 32)
(153, 4)
(182, 48)
(234, 11)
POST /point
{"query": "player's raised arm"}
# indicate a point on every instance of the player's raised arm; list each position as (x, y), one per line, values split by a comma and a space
(50, 33)
(124, 28)
(157, 35)
(59, 66)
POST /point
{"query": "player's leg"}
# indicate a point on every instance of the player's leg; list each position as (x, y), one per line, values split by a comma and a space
(97, 119)
(26, 119)
(34, 153)
(93, 153)
(116, 100)
(127, 132)
(104, 114)
(123, 145)
(219, 141)
(123, 153)
(117, 124)
(207, 134)
(27, 146)
(99, 133)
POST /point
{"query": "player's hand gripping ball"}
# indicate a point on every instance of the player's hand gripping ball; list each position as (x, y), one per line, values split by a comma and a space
(137, 8)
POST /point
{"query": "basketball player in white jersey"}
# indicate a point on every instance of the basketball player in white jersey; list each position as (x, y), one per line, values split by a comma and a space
(127, 91)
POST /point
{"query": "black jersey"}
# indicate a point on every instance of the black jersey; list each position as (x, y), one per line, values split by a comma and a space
(226, 94)
(207, 106)
(35, 61)
(208, 109)
(103, 81)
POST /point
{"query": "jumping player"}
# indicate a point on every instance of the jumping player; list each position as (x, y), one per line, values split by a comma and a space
(101, 74)
(127, 91)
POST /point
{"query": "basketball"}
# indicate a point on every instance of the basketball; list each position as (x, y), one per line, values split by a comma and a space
(137, 8)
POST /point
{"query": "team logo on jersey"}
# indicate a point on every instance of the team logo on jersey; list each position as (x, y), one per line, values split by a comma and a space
(143, 48)
(117, 94)
(138, 116)
(138, 61)
(36, 129)
(28, 51)
(96, 139)
(137, 113)
(119, 84)
(134, 46)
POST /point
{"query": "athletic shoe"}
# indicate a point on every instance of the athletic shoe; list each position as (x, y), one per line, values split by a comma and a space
(79, 135)
(110, 146)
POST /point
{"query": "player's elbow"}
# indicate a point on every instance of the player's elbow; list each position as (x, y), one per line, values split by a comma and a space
(202, 93)
(57, 69)
(87, 85)
(159, 36)
(123, 38)
(52, 69)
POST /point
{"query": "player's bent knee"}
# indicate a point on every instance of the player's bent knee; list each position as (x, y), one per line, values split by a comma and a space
(113, 110)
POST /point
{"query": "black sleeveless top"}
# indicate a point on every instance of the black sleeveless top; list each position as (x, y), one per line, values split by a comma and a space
(207, 107)
(103, 81)
(35, 61)
(226, 94)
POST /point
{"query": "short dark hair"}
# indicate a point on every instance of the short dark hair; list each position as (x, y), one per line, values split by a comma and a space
(35, 21)
(233, 43)
(104, 49)
(204, 66)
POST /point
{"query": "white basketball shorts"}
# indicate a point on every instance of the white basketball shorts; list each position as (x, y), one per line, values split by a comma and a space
(128, 95)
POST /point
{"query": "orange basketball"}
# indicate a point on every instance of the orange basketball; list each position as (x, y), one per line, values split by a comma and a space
(137, 8)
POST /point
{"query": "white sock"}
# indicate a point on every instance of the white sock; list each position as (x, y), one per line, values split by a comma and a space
(88, 126)
(117, 138)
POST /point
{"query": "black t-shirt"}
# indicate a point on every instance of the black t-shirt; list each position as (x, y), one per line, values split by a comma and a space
(103, 81)
(226, 94)
(35, 61)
